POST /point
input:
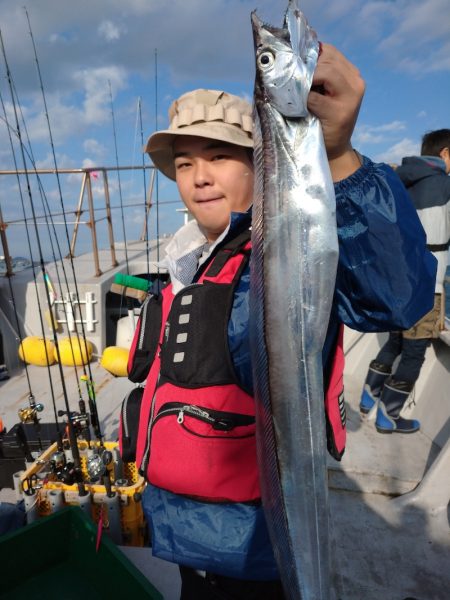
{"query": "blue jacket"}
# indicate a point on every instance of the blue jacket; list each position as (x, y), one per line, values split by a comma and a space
(385, 281)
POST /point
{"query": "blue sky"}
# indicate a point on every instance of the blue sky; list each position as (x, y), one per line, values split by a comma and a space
(402, 48)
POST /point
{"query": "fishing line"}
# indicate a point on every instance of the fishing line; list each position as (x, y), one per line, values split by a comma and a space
(134, 139)
(31, 397)
(88, 379)
(50, 378)
(71, 430)
(128, 300)
(118, 177)
(49, 218)
(147, 249)
(47, 281)
(156, 170)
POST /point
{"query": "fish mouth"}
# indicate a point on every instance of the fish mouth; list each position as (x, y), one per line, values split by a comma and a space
(289, 33)
(285, 62)
(259, 26)
(262, 33)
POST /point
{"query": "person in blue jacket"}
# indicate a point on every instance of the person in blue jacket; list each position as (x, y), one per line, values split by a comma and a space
(386, 388)
(223, 548)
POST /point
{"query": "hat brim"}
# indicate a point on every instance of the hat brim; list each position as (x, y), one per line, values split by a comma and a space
(160, 144)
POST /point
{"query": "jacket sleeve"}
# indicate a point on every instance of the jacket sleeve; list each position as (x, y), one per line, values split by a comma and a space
(386, 276)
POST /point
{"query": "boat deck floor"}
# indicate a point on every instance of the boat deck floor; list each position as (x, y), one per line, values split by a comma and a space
(372, 463)
(380, 550)
(389, 464)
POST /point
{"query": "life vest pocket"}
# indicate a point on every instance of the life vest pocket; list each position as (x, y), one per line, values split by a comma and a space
(335, 403)
(129, 424)
(204, 453)
(146, 339)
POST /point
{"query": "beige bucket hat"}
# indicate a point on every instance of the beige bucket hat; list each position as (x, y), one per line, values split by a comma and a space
(205, 113)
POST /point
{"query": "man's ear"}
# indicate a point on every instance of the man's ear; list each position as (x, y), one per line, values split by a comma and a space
(445, 155)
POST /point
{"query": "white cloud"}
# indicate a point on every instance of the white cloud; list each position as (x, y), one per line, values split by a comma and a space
(418, 42)
(88, 164)
(62, 160)
(94, 147)
(96, 85)
(395, 153)
(368, 134)
(336, 10)
(64, 120)
(109, 31)
(419, 22)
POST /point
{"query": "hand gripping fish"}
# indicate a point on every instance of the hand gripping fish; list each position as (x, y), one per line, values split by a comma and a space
(293, 272)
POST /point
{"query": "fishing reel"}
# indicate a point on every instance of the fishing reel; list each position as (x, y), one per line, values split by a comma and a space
(29, 413)
(31, 485)
(62, 469)
(97, 465)
(80, 421)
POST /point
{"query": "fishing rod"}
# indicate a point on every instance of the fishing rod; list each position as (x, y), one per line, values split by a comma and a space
(147, 249)
(82, 418)
(129, 302)
(71, 430)
(30, 414)
(118, 177)
(157, 174)
(87, 374)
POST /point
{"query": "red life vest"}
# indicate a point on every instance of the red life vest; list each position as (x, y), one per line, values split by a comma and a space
(196, 433)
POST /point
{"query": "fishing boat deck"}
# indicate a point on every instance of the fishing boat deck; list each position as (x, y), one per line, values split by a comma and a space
(92, 280)
(380, 544)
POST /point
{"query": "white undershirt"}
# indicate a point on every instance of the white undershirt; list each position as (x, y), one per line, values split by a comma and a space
(186, 239)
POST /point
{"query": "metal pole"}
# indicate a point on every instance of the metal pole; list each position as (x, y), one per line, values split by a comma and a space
(148, 206)
(78, 214)
(91, 224)
(3, 226)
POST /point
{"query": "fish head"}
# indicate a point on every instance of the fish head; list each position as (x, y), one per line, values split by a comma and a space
(285, 62)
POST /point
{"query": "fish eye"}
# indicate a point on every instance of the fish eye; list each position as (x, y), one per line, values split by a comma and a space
(266, 59)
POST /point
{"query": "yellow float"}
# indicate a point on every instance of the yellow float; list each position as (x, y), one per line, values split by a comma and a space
(37, 351)
(74, 351)
(115, 360)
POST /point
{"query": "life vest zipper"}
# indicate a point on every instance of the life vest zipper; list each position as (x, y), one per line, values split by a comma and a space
(146, 455)
(125, 424)
(143, 322)
(220, 420)
(124, 414)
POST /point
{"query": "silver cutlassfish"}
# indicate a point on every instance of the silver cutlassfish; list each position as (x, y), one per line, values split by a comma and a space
(293, 272)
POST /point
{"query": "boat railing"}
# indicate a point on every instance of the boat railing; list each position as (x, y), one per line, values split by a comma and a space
(86, 203)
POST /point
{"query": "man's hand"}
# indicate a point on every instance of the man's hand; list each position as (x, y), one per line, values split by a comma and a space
(337, 105)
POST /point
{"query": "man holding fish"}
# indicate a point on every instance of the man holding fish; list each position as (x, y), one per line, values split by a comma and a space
(250, 326)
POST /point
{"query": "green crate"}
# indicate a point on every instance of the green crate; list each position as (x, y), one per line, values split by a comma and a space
(54, 558)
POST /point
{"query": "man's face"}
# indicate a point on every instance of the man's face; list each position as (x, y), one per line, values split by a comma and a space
(214, 179)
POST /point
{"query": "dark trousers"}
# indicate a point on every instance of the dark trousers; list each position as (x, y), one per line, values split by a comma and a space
(411, 360)
(2, 354)
(218, 587)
